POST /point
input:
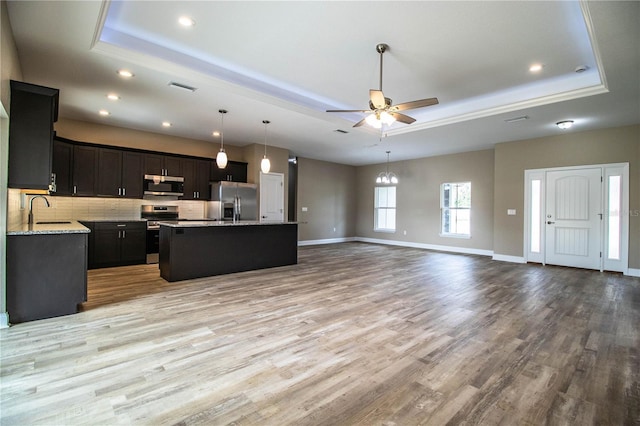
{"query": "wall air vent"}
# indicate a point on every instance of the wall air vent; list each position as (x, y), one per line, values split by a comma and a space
(182, 86)
(341, 131)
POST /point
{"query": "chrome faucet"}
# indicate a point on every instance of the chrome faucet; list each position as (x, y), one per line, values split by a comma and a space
(31, 206)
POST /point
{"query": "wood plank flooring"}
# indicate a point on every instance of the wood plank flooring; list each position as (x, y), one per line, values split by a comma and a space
(355, 334)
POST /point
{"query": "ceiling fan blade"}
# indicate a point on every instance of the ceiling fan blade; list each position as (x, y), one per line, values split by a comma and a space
(360, 123)
(348, 110)
(414, 104)
(377, 98)
(402, 118)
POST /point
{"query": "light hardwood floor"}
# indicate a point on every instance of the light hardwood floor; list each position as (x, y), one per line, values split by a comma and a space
(355, 334)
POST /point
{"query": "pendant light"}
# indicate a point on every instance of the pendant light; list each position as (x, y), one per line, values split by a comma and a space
(265, 164)
(221, 158)
(387, 178)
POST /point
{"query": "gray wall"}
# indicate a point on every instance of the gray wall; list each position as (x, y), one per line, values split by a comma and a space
(328, 191)
(618, 145)
(418, 198)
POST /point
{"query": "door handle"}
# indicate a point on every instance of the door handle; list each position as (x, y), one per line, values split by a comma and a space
(549, 222)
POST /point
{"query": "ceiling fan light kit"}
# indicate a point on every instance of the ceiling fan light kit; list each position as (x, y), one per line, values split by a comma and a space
(381, 111)
(221, 158)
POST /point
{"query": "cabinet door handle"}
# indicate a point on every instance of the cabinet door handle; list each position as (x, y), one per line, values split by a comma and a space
(124, 191)
(75, 189)
(124, 234)
(119, 191)
(122, 225)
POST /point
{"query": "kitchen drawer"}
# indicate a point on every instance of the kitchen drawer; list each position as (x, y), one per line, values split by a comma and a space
(133, 226)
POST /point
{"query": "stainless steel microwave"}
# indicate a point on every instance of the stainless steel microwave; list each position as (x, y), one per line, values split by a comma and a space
(163, 185)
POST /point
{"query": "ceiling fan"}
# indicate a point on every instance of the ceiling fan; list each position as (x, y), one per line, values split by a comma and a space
(381, 109)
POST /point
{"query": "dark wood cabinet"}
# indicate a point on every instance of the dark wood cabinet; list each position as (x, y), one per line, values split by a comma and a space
(162, 165)
(117, 243)
(46, 275)
(33, 110)
(196, 179)
(85, 165)
(236, 171)
(119, 173)
(62, 167)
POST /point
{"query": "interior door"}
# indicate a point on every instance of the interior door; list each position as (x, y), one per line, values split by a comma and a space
(573, 221)
(271, 197)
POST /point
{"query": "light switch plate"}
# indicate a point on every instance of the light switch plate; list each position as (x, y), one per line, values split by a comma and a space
(304, 209)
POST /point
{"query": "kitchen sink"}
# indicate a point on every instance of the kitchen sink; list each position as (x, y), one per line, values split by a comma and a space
(53, 222)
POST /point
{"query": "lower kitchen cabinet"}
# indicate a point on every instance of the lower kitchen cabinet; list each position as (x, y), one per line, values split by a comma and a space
(46, 275)
(117, 243)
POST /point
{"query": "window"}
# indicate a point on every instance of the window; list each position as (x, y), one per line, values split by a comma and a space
(455, 203)
(385, 209)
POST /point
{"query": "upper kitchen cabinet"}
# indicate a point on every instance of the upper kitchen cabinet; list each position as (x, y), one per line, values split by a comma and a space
(85, 164)
(119, 173)
(62, 168)
(162, 165)
(33, 110)
(236, 171)
(196, 179)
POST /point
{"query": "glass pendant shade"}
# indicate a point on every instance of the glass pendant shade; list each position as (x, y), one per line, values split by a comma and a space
(379, 118)
(221, 159)
(265, 165)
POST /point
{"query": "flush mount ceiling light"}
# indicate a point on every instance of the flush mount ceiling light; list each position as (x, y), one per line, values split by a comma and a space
(221, 158)
(125, 73)
(387, 177)
(564, 125)
(265, 164)
(185, 21)
(104, 112)
(166, 124)
(113, 97)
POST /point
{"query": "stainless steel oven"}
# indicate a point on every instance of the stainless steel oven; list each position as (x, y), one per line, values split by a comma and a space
(153, 215)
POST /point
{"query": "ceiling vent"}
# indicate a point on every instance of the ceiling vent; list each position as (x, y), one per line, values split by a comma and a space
(341, 131)
(516, 119)
(182, 86)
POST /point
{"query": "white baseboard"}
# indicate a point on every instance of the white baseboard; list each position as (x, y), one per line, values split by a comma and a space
(633, 272)
(4, 320)
(450, 249)
(325, 241)
(507, 258)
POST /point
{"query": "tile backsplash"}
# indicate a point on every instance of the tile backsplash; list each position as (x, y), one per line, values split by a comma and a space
(91, 208)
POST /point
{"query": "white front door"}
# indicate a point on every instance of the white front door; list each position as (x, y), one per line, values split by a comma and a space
(573, 220)
(271, 197)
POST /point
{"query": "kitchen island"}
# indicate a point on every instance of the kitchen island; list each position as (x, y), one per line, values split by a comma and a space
(195, 249)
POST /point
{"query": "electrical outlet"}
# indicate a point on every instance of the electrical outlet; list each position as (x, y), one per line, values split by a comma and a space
(334, 229)
(304, 209)
(404, 232)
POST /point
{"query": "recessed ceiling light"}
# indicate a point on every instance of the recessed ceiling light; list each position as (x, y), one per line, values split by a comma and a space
(104, 112)
(166, 124)
(566, 124)
(113, 96)
(216, 133)
(185, 21)
(125, 73)
(536, 67)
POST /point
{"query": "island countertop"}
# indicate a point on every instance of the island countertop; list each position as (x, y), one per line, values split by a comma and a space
(208, 223)
(52, 227)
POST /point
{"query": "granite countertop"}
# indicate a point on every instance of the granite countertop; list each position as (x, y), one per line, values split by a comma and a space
(207, 223)
(52, 227)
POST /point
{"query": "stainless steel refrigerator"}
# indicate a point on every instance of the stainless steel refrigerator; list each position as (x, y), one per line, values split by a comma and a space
(233, 201)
